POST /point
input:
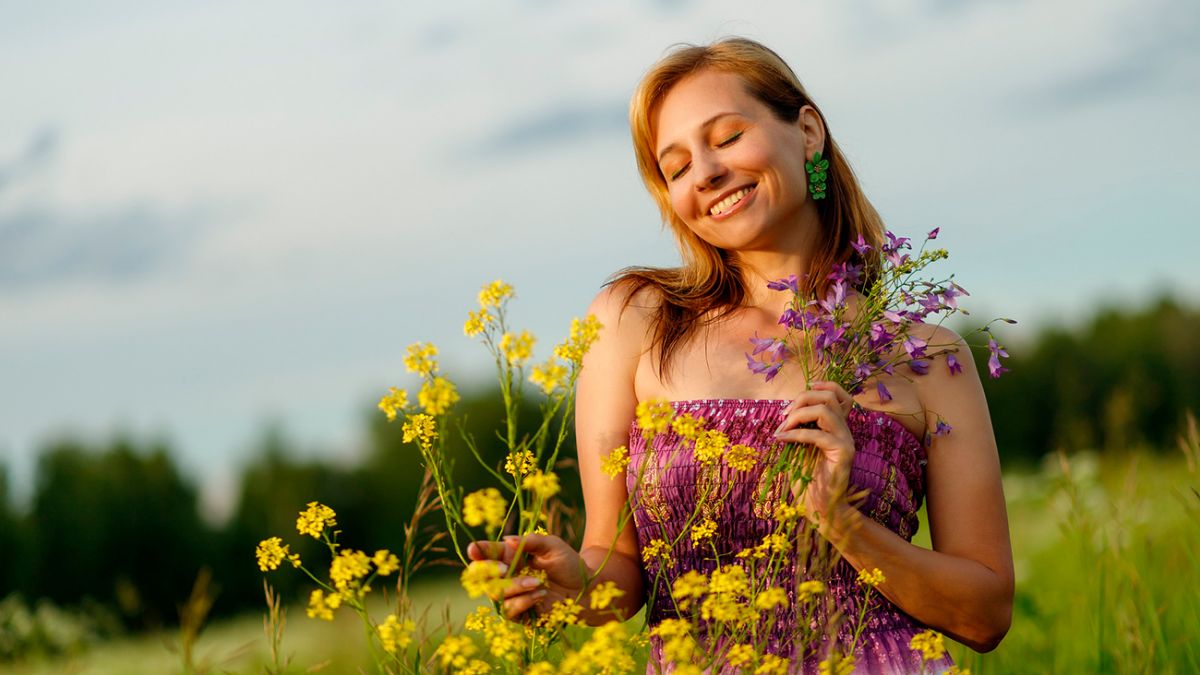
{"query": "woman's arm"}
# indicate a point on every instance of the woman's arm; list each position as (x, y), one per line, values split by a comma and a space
(964, 586)
(605, 404)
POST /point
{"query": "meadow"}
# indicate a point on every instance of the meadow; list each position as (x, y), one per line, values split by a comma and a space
(1107, 556)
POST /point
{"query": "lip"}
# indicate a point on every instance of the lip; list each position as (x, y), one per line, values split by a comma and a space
(753, 187)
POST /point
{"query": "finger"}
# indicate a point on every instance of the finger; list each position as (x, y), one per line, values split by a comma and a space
(535, 545)
(521, 586)
(844, 399)
(485, 550)
(815, 437)
(824, 416)
(811, 397)
(515, 607)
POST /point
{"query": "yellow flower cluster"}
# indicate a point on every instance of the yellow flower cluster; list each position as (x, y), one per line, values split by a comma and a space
(347, 571)
(615, 462)
(396, 400)
(550, 376)
(420, 359)
(455, 651)
(678, 643)
(930, 644)
(483, 577)
(836, 664)
(271, 552)
(710, 445)
(785, 512)
(657, 548)
(315, 519)
(321, 607)
(437, 395)
(739, 655)
(776, 542)
(520, 462)
(809, 589)
(394, 634)
(543, 484)
(654, 416)
(493, 294)
(385, 562)
(517, 349)
(728, 589)
(772, 665)
(607, 652)
(565, 612)
(691, 586)
(871, 578)
(485, 506)
(603, 594)
(741, 457)
(421, 428)
(703, 530)
(771, 598)
(583, 335)
(477, 322)
(687, 426)
(505, 640)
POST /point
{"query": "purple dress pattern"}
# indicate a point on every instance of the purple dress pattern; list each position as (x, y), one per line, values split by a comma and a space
(888, 463)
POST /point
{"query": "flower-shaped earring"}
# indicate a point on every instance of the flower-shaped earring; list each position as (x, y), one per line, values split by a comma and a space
(816, 175)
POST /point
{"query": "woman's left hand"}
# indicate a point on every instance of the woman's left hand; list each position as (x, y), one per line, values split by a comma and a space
(826, 404)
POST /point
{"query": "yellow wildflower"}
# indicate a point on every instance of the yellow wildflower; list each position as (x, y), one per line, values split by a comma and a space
(930, 644)
(703, 530)
(385, 562)
(347, 569)
(437, 395)
(565, 612)
(483, 577)
(603, 594)
(520, 462)
(583, 334)
(654, 416)
(771, 598)
(294, 559)
(549, 376)
(270, 553)
(540, 668)
(420, 359)
(615, 462)
(544, 485)
(517, 349)
(730, 579)
(315, 519)
(955, 670)
(726, 609)
(741, 457)
(475, 667)
(480, 619)
(772, 665)
(491, 295)
(836, 664)
(671, 628)
(485, 506)
(809, 589)
(395, 634)
(687, 426)
(477, 322)
(709, 446)
(785, 512)
(393, 401)
(678, 644)
(692, 584)
(455, 650)
(421, 428)
(871, 578)
(605, 652)
(740, 655)
(657, 548)
(320, 607)
(505, 639)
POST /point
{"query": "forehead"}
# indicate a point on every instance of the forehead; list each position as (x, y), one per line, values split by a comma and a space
(695, 99)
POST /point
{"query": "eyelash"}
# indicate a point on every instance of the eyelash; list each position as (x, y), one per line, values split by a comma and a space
(725, 143)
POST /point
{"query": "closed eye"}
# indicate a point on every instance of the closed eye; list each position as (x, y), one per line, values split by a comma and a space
(725, 143)
(730, 140)
(680, 171)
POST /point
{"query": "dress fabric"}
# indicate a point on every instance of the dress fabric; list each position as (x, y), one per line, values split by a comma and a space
(888, 464)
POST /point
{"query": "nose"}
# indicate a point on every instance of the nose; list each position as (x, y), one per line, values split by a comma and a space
(709, 171)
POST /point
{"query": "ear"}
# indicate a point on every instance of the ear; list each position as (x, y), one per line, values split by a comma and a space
(813, 128)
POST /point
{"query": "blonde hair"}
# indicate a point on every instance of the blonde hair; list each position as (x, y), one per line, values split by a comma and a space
(709, 285)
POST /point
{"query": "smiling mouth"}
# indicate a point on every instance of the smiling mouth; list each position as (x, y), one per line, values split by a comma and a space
(725, 205)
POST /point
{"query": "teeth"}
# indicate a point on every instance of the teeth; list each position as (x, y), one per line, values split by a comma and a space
(727, 203)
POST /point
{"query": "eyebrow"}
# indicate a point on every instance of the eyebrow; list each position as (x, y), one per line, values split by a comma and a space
(707, 123)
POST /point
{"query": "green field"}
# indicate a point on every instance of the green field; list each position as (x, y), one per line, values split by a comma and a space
(1107, 555)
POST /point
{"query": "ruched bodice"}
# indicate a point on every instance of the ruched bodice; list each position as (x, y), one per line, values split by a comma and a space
(667, 485)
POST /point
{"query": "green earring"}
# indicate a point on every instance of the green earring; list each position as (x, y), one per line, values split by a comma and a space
(816, 175)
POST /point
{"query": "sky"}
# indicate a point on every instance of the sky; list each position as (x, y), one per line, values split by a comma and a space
(220, 216)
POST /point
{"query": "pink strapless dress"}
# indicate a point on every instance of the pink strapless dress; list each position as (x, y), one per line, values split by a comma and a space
(889, 464)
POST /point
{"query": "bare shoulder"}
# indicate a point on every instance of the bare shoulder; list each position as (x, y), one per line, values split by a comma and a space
(625, 311)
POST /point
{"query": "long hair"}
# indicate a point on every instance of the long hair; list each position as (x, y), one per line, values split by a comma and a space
(710, 284)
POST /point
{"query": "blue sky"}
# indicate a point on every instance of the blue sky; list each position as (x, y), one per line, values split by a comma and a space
(215, 215)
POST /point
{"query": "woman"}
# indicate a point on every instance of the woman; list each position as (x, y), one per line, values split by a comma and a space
(722, 133)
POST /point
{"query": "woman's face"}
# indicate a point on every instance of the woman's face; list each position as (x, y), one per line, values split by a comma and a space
(735, 172)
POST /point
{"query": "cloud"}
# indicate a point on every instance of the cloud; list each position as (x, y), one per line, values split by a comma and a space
(41, 147)
(40, 246)
(566, 123)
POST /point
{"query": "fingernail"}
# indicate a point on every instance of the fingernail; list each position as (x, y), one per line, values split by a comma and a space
(502, 568)
(530, 582)
(539, 594)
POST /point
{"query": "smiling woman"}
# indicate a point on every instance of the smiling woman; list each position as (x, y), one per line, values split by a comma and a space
(747, 175)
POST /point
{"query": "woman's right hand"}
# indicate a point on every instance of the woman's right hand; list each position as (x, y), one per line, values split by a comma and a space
(566, 573)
